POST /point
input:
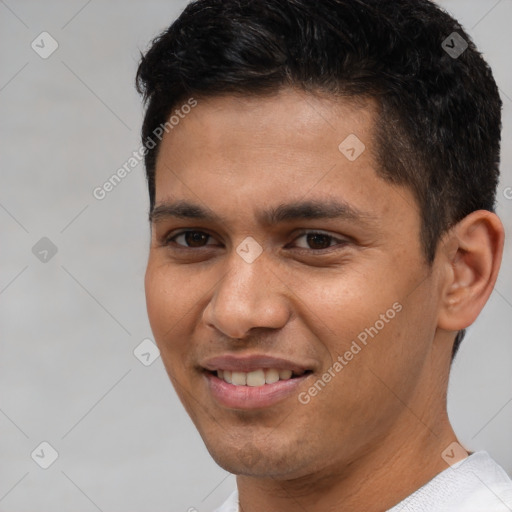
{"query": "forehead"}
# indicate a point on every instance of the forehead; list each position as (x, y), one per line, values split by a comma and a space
(289, 119)
(242, 151)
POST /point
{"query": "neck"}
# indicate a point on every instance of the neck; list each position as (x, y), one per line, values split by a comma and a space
(373, 481)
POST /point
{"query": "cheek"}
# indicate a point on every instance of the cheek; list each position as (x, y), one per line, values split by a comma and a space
(168, 300)
(339, 306)
(167, 303)
(158, 299)
(375, 328)
(175, 301)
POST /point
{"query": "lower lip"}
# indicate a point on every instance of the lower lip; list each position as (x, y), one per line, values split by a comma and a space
(248, 397)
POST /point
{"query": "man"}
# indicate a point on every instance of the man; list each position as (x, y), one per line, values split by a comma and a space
(322, 181)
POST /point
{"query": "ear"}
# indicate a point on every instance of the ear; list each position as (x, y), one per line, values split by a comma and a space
(470, 257)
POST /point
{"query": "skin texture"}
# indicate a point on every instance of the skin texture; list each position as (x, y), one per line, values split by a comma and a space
(376, 432)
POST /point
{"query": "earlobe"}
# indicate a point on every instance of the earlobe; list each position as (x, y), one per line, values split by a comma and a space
(471, 254)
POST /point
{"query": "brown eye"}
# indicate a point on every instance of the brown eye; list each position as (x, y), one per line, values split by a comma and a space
(317, 241)
(192, 239)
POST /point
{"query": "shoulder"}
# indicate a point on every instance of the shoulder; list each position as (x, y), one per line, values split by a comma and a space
(475, 484)
(491, 489)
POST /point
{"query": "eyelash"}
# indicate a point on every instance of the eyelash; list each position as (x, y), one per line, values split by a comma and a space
(168, 240)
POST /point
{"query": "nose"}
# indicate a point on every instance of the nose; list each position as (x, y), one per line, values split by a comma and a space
(250, 295)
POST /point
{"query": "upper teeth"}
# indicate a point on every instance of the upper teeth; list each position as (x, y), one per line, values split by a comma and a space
(254, 378)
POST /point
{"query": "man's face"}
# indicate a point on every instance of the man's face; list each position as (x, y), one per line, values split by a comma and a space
(359, 286)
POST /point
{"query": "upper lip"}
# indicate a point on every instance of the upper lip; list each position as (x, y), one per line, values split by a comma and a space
(250, 363)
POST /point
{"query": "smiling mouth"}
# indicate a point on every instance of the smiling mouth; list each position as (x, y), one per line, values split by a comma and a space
(257, 378)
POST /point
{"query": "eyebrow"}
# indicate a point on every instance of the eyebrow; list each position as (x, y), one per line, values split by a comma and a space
(300, 210)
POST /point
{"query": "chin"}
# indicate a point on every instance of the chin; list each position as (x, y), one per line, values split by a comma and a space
(255, 461)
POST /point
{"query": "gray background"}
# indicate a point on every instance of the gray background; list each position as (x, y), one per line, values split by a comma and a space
(69, 326)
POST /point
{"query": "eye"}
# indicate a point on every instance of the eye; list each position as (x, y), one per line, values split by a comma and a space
(193, 239)
(319, 241)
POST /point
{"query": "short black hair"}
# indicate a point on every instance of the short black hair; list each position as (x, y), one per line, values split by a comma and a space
(439, 125)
